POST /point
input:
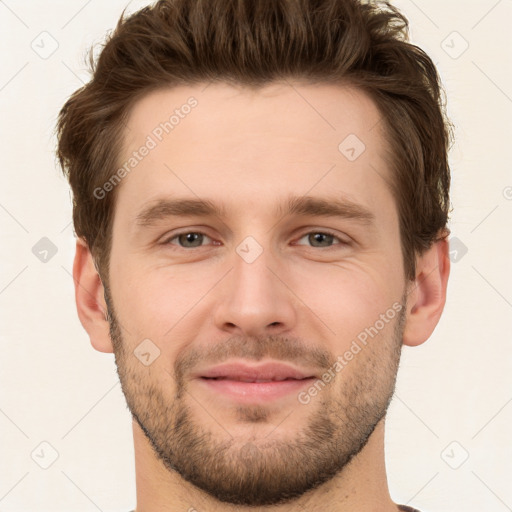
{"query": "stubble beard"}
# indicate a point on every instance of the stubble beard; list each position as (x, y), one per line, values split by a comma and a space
(259, 470)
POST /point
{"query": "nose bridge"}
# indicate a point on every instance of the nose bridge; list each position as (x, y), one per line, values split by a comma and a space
(253, 298)
(251, 274)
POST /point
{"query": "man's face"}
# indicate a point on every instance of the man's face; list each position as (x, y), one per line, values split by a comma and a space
(255, 285)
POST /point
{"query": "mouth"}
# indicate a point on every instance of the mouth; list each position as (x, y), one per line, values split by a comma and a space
(242, 379)
(246, 383)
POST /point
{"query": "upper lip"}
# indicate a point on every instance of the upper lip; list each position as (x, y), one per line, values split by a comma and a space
(266, 371)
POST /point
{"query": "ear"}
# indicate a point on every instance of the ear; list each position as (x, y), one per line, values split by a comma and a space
(90, 299)
(427, 294)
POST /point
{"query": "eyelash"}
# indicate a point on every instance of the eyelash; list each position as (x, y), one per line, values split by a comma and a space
(167, 241)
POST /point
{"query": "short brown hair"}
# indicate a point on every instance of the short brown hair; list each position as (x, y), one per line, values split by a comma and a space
(253, 43)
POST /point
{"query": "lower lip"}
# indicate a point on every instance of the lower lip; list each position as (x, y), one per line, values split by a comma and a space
(255, 391)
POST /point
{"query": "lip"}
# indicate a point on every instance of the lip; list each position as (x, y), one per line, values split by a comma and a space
(254, 383)
(274, 371)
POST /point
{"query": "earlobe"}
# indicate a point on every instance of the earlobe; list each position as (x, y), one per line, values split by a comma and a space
(90, 300)
(427, 295)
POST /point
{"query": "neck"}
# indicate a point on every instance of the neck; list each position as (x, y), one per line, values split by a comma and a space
(361, 486)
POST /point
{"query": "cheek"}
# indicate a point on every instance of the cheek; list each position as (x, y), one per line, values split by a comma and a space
(156, 302)
(348, 296)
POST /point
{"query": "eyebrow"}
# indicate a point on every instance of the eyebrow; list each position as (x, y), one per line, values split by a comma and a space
(164, 208)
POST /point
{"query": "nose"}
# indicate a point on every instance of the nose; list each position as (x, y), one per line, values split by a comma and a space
(255, 299)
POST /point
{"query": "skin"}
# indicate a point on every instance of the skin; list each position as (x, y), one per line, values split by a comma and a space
(300, 300)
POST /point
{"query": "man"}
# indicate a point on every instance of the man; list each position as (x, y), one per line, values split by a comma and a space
(260, 199)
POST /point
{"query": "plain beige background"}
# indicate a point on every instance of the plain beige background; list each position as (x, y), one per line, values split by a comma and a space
(448, 432)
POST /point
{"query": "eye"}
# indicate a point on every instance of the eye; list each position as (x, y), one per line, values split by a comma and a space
(195, 239)
(322, 239)
(187, 239)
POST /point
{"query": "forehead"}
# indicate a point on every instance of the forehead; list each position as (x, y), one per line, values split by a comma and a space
(241, 144)
(319, 113)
